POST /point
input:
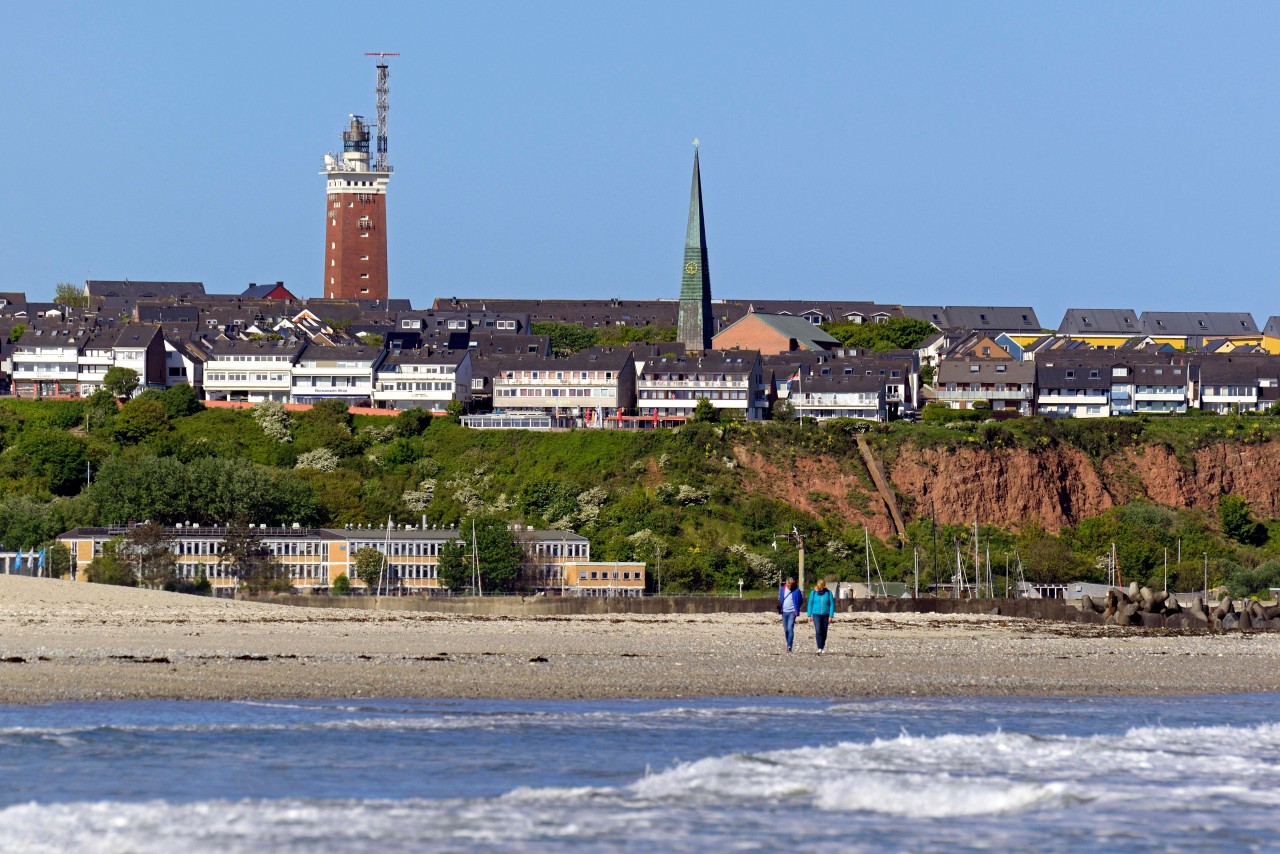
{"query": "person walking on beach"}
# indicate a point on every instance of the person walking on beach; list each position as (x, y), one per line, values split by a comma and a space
(789, 598)
(822, 607)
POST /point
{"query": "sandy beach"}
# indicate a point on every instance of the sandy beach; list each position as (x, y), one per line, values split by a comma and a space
(67, 641)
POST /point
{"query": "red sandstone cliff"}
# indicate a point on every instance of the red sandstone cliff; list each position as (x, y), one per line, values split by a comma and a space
(1007, 487)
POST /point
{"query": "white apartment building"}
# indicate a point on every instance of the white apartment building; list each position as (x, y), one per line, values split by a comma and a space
(423, 379)
(580, 390)
(251, 370)
(839, 396)
(336, 372)
(730, 380)
(1159, 389)
(46, 361)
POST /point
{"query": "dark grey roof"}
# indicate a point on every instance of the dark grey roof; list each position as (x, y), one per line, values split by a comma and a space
(1272, 329)
(840, 383)
(934, 314)
(1100, 321)
(142, 290)
(704, 362)
(993, 318)
(1206, 324)
(962, 370)
(1073, 373)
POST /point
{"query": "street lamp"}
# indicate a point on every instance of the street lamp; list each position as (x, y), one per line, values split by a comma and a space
(798, 538)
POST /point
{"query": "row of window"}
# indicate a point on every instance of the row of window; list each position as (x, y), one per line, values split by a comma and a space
(687, 394)
(542, 391)
(607, 376)
(243, 378)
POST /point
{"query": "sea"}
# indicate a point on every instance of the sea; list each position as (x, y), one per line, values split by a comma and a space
(740, 774)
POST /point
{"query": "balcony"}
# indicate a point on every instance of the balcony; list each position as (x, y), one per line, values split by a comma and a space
(1095, 399)
(985, 394)
(648, 383)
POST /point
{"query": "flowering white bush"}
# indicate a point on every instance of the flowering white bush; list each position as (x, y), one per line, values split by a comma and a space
(321, 459)
(272, 420)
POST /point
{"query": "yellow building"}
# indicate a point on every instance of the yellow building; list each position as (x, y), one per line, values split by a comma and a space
(605, 578)
(313, 558)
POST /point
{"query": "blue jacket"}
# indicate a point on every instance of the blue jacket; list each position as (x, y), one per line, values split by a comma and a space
(821, 602)
(795, 597)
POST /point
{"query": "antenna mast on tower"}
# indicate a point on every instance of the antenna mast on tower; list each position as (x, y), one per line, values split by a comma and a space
(380, 163)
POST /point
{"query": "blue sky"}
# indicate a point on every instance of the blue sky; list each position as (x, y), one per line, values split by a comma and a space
(1051, 154)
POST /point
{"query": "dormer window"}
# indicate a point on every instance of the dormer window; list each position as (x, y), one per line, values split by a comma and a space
(1071, 375)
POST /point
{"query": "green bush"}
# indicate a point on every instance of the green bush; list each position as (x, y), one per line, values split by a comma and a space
(341, 586)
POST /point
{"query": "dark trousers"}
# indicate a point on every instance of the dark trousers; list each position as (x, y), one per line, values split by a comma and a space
(820, 624)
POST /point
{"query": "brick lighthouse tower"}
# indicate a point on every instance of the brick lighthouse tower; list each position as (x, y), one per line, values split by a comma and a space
(355, 237)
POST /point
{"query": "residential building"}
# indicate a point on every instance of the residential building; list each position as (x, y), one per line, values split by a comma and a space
(1007, 384)
(335, 372)
(423, 379)
(840, 396)
(1225, 384)
(1072, 388)
(251, 371)
(46, 360)
(1160, 388)
(670, 387)
(771, 334)
(584, 389)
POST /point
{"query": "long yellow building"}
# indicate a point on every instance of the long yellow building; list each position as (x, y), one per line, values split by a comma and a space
(313, 558)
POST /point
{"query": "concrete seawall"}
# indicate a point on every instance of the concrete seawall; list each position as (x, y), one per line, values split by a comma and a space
(514, 606)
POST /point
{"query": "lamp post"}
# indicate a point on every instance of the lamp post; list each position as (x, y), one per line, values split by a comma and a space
(798, 538)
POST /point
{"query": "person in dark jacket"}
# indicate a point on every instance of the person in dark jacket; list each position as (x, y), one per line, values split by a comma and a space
(822, 607)
(789, 603)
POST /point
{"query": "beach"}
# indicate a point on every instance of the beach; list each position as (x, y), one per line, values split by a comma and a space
(64, 641)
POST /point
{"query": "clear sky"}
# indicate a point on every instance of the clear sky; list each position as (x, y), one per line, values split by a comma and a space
(1052, 154)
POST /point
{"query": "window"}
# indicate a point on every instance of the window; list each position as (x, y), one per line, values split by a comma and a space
(973, 369)
(1000, 369)
(1071, 375)
(1093, 375)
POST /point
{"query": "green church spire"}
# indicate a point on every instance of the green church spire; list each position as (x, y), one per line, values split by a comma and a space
(696, 324)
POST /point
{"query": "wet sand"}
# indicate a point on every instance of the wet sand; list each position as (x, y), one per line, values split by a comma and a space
(69, 641)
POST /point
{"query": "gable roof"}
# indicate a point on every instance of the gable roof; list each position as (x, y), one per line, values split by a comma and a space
(1208, 324)
(1100, 321)
(807, 335)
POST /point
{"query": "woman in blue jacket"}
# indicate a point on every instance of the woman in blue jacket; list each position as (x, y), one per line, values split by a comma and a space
(822, 607)
(789, 599)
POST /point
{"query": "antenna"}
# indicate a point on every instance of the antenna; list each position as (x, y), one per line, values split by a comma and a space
(380, 164)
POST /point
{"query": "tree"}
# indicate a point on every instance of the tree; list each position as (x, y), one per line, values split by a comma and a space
(455, 408)
(65, 293)
(341, 586)
(120, 382)
(453, 569)
(784, 410)
(56, 456)
(498, 554)
(566, 338)
(108, 568)
(272, 420)
(896, 333)
(1238, 522)
(369, 567)
(703, 411)
(181, 400)
(57, 559)
(148, 551)
(16, 332)
(249, 561)
(139, 419)
(413, 422)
